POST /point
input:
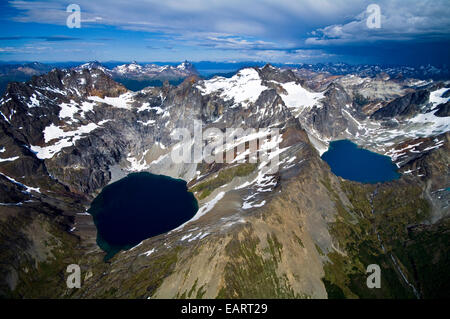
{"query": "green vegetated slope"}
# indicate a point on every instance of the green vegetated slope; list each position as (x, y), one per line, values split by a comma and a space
(252, 273)
(223, 177)
(41, 271)
(379, 228)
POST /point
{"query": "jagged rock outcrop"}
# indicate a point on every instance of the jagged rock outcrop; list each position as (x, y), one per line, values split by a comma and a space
(407, 105)
(443, 110)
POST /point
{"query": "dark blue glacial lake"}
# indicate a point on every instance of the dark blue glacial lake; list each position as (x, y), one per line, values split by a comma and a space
(349, 161)
(140, 206)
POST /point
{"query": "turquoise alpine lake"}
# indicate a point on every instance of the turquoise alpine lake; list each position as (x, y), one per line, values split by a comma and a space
(351, 162)
(140, 206)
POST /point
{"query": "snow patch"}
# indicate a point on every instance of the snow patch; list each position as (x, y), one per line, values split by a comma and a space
(10, 159)
(123, 101)
(244, 87)
(298, 98)
(28, 189)
(65, 139)
(34, 102)
(149, 252)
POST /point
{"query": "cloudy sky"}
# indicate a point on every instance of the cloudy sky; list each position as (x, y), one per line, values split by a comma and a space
(284, 31)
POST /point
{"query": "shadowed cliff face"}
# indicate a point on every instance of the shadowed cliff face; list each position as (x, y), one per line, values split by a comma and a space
(300, 231)
(407, 105)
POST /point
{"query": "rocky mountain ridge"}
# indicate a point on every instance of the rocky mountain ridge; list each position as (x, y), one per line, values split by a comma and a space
(131, 74)
(422, 72)
(137, 71)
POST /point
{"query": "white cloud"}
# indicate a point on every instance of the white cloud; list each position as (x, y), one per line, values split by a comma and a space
(274, 30)
(249, 18)
(400, 21)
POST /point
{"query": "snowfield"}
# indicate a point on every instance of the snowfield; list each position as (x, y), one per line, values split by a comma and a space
(64, 139)
(244, 87)
(123, 101)
(298, 98)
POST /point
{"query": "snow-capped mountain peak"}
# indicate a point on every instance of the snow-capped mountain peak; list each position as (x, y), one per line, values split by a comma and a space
(128, 68)
(139, 72)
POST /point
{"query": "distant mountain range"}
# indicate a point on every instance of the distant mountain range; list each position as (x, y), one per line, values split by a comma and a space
(20, 72)
(144, 72)
(135, 76)
(423, 72)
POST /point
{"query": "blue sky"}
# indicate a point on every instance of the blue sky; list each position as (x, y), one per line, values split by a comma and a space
(279, 31)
